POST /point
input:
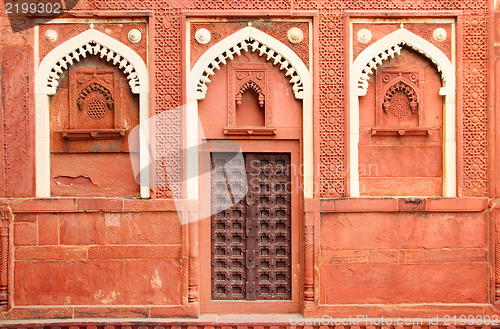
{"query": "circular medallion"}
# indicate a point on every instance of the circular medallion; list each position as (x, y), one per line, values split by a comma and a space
(203, 36)
(134, 36)
(364, 36)
(439, 34)
(50, 36)
(295, 35)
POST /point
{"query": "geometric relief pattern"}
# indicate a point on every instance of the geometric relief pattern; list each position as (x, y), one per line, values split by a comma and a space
(167, 68)
(475, 141)
(167, 71)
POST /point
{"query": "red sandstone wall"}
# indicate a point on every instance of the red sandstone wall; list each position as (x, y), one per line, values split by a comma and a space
(102, 252)
(120, 257)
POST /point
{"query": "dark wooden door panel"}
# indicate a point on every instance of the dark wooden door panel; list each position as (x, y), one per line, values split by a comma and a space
(251, 240)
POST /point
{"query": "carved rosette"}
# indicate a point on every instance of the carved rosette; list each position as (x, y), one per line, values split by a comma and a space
(249, 76)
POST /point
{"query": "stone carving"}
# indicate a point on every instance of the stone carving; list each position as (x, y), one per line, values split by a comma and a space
(5, 218)
(94, 111)
(331, 16)
(253, 86)
(364, 36)
(398, 95)
(134, 36)
(203, 36)
(295, 35)
(93, 88)
(396, 105)
(254, 76)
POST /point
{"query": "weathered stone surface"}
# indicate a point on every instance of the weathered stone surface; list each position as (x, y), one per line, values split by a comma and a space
(19, 121)
(383, 284)
(109, 282)
(344, 256)
(134, 252)
(93, 175)
(447, 256)
(29, 313)
(403, 230)
(51, 253)
(112, 312)
(82, 228)
(48, 229)
(383, 256)
(145, 228)
(25, 234)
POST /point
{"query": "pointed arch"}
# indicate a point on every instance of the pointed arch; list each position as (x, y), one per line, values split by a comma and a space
(91, 42)
(253, 40)
(372, 57)
(367, 62)
(96, 43)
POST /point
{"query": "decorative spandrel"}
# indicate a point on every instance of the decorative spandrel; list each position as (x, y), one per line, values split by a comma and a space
(251, 240)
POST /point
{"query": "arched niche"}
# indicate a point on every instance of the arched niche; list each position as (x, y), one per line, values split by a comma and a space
(88, 43)
(249, 39)
(367, 62)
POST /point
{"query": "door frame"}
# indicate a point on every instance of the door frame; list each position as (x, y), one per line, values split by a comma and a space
(207, 305)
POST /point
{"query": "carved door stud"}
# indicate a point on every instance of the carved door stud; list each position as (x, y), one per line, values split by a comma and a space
(251, 239)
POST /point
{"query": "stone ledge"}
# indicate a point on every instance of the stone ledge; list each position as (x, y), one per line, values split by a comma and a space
(406, 204)
(73, 205)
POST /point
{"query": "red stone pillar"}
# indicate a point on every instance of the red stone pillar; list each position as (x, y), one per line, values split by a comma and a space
(311, 210)
(191, 210)
(5, 218)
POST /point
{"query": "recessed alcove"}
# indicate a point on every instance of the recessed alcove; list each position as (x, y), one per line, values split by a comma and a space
(249, 112)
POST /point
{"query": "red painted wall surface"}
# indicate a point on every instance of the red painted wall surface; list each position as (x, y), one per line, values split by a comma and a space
(90, 254)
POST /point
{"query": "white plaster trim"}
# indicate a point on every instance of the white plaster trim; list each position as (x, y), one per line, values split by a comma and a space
(248, 39)
(278, 53)
(91, 42)
(373, 56)
(367, 62)
(46, 81)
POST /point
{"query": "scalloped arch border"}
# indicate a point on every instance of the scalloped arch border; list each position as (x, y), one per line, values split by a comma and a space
(249, 39)
(367, 62)
(96, 43)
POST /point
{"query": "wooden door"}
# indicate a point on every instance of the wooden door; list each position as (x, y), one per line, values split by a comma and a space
(251, 239)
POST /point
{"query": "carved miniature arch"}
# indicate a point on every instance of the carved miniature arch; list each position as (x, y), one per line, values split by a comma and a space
(250, 85)
(403, 85)
(365, 65)
(253, 40)
(96, 43)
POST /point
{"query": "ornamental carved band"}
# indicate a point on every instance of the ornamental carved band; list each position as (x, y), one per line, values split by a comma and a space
(5, 219)
(331, 79)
